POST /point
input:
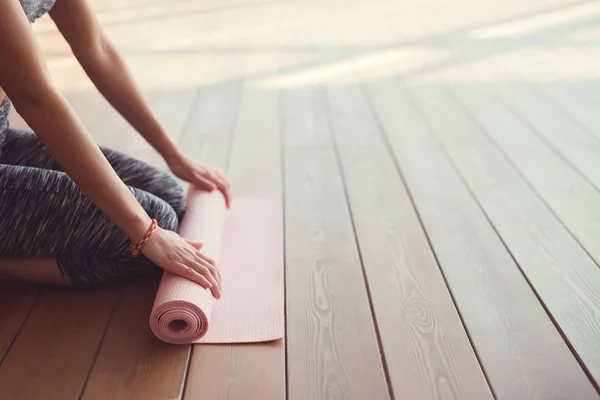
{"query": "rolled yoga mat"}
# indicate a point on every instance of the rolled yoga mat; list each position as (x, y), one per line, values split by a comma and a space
(246, 241)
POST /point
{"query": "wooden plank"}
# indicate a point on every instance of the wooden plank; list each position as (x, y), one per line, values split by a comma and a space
(580, 147)
(173, 109)
(245, 371)
(17, 301)
(207, 134)
(428, 353)
(132, 362)
(579, 99)
(253, 371)
(520, 349)
(561, 272)
(54, 351)
(573, 199)
(304, 115)
(332, 349)
(255, 164)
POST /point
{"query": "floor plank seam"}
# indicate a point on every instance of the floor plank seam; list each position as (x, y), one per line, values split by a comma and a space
(382, 354)
(556, 105)
(547, 141)
(533, 289)
(234, 122)
(191, 112)
(100, 343)
(385, 138)
(12, 340)
(529, 184)
(282, 164)
(186, 370)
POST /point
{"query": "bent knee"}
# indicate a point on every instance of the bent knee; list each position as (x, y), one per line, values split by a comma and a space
(174, 194)
(158, 208)
(164, 186)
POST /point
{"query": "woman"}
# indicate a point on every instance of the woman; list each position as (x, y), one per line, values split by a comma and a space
(71, 212)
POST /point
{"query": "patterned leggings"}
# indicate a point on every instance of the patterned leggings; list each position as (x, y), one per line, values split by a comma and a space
(44, 213)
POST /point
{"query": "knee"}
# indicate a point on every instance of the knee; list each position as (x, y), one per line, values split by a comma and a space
(175, 195)
(167, 188)
(164, 213)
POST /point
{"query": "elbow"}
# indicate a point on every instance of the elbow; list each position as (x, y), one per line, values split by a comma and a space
(93, 52)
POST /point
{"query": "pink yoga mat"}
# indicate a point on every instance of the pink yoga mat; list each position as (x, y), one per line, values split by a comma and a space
(246, 241)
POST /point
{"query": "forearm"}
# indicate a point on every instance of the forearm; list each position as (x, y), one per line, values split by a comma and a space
(110, 75)
(55, 122)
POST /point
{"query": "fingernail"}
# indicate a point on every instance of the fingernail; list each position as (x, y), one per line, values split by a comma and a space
(210, 285)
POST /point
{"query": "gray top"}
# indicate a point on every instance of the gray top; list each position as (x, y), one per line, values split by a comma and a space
(34, 9)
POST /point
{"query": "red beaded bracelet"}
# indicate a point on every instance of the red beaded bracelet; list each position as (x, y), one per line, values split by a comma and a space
(136, 247)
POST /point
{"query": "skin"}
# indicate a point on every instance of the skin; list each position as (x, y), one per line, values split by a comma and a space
(26, 81)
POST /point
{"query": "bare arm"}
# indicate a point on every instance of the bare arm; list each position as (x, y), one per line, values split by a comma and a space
(25, 79)
(107, 70)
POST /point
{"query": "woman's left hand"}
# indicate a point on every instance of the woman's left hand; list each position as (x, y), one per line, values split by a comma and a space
(204, 176)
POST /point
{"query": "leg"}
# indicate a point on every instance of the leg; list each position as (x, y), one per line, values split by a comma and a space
(42, 270)
(44, 214)
(26, 149)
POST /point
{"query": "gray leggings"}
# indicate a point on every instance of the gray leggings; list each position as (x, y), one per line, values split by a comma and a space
(43, 212)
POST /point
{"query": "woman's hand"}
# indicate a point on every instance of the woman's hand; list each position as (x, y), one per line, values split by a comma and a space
(204, 176)
(181, 257)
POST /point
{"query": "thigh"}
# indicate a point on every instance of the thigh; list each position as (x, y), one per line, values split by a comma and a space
(26, 149)
(144, 176)
(44, 213)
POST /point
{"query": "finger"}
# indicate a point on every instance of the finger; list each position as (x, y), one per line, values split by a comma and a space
(206, 258)
(196, 245)
(207, 276)
(213, 264)
(227, 194)
(204, 183)
(226, 191)
(223, 177)
(206, 270)
(212, 268)
(193, 275)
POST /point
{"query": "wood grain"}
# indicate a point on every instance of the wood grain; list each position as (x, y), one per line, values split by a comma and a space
(211, 123)
(557, 128)
(236, 120)
(560, 271)
(573, 199)
(304, 116)
(20, 300)
(51, 356)
(248, 371)
(428, 353)
(332, 349)
(132, 363)
(255, 164)
(509, 328)
(578, 99)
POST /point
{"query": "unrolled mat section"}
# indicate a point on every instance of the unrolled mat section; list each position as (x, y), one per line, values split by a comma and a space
(246, 241)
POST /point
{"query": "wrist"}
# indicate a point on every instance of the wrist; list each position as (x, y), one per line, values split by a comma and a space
(171, 154)
(137, 227)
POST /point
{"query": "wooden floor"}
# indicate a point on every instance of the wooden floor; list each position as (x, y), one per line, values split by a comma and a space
(440, 165)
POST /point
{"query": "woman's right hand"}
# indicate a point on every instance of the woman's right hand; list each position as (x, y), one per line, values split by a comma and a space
(182, 257)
